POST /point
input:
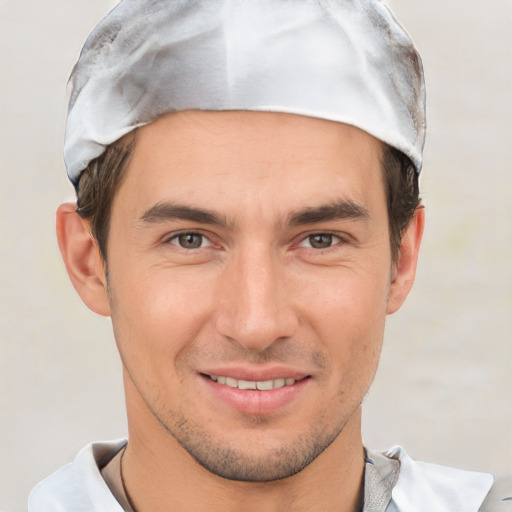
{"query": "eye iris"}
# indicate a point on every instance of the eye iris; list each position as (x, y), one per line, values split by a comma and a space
(321, 241)
(190, 240)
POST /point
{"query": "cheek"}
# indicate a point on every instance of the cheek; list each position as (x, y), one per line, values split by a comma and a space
(347, 313)
(341, 297)
(157, 315)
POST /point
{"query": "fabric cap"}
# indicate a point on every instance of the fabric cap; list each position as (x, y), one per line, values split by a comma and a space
(343, 60)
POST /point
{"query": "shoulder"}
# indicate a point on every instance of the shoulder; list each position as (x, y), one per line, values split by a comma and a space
(499, 498)
(78, 486)
(423, 486)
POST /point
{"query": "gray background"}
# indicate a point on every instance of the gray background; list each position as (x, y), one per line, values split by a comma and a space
(444, 385)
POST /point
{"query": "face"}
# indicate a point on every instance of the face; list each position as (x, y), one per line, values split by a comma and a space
(249, 273)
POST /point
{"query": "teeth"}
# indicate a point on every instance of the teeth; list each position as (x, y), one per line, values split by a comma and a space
(246, 384)
(279, 383)
(232, 383)
(261, 385)
(265, 385)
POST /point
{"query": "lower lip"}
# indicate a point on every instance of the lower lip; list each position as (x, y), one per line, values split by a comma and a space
(256, 402)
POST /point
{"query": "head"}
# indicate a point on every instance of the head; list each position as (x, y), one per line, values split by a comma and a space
(253, 253)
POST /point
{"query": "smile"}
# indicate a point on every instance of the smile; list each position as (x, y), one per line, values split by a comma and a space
(260, 385)
(256, 394)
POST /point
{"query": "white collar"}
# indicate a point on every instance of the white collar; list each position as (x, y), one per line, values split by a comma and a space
(421, 487)
(424, 487)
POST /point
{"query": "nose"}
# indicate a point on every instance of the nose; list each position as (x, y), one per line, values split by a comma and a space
(255, 306)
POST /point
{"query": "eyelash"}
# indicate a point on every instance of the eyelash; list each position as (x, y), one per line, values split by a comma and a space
(335, 240)
(176, 237)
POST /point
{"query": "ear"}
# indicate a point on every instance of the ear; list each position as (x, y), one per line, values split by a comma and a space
(82, 258)
(405, 269)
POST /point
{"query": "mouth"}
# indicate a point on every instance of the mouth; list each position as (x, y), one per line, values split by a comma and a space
(265, 394)
(259, 385)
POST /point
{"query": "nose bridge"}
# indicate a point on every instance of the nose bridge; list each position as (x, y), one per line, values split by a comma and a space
(256, 311)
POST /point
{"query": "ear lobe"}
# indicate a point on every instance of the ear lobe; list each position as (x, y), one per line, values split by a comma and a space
(405, 269)
(82, 259)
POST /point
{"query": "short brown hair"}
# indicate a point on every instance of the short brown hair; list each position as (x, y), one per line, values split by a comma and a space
(102, 177)
(97, 187)
(402, 193)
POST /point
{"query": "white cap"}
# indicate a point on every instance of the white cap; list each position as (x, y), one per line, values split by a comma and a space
(344, 60)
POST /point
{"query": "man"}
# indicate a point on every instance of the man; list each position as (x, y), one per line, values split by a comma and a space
(248, 214)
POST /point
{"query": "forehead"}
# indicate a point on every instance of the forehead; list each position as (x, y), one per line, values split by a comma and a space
(228, 158)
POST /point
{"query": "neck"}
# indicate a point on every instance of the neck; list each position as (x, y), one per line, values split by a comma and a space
(160, 475)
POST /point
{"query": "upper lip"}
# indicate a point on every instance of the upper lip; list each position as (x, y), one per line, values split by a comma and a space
(256, 374)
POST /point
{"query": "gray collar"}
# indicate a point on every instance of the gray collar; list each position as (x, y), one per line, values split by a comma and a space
(380, 476)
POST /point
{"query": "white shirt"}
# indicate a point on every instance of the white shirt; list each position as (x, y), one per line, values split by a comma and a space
(421, 487)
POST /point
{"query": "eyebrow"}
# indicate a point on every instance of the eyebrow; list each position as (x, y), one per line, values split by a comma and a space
(339, 210)
(161, 212)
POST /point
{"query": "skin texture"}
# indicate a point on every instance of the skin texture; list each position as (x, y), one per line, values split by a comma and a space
(285, 271)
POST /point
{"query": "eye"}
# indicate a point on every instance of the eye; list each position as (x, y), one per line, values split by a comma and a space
(321, 240)
(190, 240)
